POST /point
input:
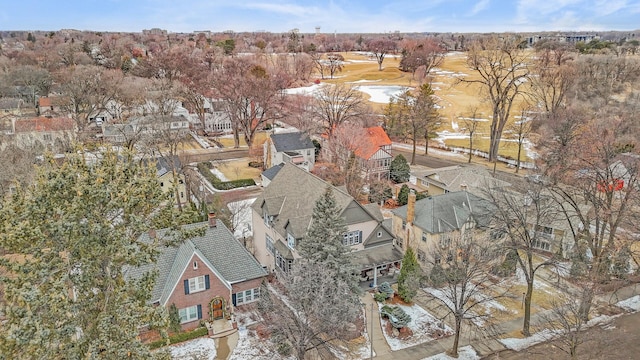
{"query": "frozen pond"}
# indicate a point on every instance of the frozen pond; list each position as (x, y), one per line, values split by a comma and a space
(381, 94)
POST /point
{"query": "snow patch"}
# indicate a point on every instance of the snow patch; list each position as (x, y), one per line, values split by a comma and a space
(381, 94)
(519, 344)
(464, 353)
(202, 348)
(631, 304)
(250, 346)
(422, 324)
(218, 174)
(305, 90)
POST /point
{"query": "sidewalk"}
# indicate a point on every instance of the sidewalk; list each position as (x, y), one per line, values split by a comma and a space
(380, 346)
(482, 346)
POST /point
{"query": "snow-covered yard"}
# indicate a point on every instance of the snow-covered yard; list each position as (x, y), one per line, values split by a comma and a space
(381, 94)
(464, 353)
(631, 304)
(201, 348)
(424, 328)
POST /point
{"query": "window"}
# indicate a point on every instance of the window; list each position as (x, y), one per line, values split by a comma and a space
(541, 244)
(445, 240)
(189, 314)
(268, 219)
(269, 242)
(352, 238)
(424, 237)
(404, 224)
(399, 241)
(247, 296)
(46, 137)
(379, 234)
(421, 256)
(437, 259)
(283, 264)
(196, 284)
(291, 241)
(195, 265)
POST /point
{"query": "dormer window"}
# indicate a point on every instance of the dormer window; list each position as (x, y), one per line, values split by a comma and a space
(291, 241)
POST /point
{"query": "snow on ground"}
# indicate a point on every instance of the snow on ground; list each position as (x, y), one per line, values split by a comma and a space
(422, 324)
(242, 217)
(408, 147)
(631, 304)
(305, 90)
(381, 94)
(201, 348)
(363, 81)
(519, 344)
(219, 174)
(464, 353)
(250, 346)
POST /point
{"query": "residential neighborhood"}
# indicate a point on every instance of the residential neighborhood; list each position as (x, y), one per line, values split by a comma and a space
(306, 194)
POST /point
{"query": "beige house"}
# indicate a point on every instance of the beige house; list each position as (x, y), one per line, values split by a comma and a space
(178, 189)
(282, 215)
(55, 134)
(434, 222)
(472, 178)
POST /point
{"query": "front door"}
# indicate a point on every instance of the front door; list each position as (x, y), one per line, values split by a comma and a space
(217, 308)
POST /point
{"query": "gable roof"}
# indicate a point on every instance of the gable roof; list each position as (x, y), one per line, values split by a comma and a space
(454, 178)
(271, 172)
(448, 212)
(217, 247)
(292, 194)
(374, 138)
(291, 141)
(44, 124)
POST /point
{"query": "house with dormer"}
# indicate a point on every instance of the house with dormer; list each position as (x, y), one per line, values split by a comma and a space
(206, 277)
(294, 147)
(282, 214)
(435, 221)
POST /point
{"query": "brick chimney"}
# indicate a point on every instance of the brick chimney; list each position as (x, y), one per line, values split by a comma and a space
(212, 220)
(411, 207)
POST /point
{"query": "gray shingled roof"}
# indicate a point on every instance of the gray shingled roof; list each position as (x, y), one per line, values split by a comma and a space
(448, 212)
(217, 247)
(384, 254)
(292, 195)
(453, 178)
(291, 141)
(271, 172)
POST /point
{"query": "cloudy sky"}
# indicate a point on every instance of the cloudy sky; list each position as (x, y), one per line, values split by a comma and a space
(342, 16)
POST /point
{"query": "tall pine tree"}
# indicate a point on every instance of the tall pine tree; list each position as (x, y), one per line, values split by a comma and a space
(409, 278)
(323, 241)
(71, 235)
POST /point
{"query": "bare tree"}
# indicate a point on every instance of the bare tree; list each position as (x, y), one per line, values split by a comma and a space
(315, 309)
(555, 75)
(380, 47)
(426, 54)
(252, 95)
(503, 68)
(471, 127)
(522, 219)
(520, 130)
(460, 274)
(334, 62)
(337, 104)
(565, 324)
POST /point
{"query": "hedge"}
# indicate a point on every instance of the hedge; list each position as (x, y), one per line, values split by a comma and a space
(204, 168)
(180, 337)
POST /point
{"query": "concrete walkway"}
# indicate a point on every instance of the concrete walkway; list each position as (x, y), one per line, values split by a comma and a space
(380, 346)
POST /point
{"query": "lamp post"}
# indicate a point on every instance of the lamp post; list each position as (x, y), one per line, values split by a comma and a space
(371, 336)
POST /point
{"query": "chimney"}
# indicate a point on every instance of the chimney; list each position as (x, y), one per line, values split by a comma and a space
(463, 186)
(152, 233)
(212, 219)
(411, 207)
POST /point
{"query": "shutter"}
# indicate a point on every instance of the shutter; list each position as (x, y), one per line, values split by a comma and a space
(186, 287)
(207, 285)
(361, 239)
(233, 299)
(199, 311)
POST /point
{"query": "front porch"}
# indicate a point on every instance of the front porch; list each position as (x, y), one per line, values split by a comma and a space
(378, 264)
(221, 327)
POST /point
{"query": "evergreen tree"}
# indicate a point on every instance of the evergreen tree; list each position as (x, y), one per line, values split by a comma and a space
(399, 169)
(403, 195)
(409, 279)
(323, 241)
(71, 236)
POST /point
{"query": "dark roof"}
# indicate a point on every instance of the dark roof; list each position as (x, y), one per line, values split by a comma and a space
(291, 141)
(375, 256)
(292, 194)
(216, 247)
(271, 172)
(448, 212)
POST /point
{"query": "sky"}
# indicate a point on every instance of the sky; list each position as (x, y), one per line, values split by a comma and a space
(341, 16)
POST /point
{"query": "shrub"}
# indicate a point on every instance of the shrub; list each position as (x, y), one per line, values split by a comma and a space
(380, 297)
(397, 317)
(386, 289)
(180, 337)
(204, 168)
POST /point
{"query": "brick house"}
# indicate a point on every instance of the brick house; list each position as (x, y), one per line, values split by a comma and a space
(206, 277)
